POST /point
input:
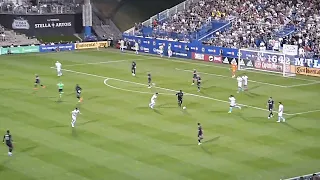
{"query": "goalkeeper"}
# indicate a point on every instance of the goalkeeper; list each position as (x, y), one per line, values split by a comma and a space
(233, 69)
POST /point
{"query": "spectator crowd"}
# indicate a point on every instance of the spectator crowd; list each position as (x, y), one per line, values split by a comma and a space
(260, 24)
(41, 7)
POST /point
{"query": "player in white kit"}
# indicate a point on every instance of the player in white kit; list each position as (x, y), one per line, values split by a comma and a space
(136, 47)
(153, 100)
(169, 51)
(233, 103)
(74, 115)
(280, 113)
(161, 50)
(121, 45)
(245, 82)
(239, 79)
(58, 67)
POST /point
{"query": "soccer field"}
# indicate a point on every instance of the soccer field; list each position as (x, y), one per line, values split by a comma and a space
(118, 137)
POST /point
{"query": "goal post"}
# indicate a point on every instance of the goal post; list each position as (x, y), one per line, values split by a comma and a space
(268, 61)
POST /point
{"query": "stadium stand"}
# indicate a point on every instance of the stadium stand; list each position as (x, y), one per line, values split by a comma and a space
(40, 6)
(239, 24)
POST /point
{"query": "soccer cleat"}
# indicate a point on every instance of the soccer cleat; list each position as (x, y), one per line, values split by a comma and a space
(192, 84)
(268, 117)
(149, 87)
(199, 143)
(239, 107)
(278, 121)
(229, 112)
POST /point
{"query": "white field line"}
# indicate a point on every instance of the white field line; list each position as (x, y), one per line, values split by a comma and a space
(128, 90)
(218, 75)
(195, 95)
(103, 62)
(305, 112)
(198, 63)
(307, 84)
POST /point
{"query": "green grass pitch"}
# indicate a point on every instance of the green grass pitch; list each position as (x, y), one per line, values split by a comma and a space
(118, 137)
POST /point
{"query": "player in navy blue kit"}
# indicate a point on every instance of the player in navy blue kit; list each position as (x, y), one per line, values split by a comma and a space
(270, 105)
(7, 138)
(37, 82)
(200, 134)
(149, 80)
(180, 97)
(199, 82)
(194, 76)
(78, 92)
(133, 68)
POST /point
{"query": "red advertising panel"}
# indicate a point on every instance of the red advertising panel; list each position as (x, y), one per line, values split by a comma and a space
(206, 57)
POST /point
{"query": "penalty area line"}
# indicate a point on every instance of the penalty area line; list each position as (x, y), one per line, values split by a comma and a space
(171, 90)
(103, 62)
(305, 112)
(306, 84)
(218, 75)
(128, 90)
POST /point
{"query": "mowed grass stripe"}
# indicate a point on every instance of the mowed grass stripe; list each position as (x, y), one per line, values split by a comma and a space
(242, 138)
(121, 132)
(98, 156)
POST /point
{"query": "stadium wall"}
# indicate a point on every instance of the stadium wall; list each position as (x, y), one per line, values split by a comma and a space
(198, 51)
(43, 25)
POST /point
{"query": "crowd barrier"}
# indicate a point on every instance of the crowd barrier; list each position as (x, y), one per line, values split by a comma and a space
(19, 50)
(198, 51)
(53, 47)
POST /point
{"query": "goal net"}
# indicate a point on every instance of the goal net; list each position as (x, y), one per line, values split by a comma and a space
(268, 61)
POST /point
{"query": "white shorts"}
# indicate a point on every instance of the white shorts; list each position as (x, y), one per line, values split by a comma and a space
(74, 118)
(239, 85)
(58, 69)
(280, 114)
(170, 53)
(153, 102)
(161, 52)
(233, 105)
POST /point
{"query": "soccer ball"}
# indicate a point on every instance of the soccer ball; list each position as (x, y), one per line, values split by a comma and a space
(184, 107)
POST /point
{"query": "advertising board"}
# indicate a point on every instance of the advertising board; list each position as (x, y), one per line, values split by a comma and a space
(19, 50)
(91, 45)
(42, 25)
(308, 71)
(61, 47)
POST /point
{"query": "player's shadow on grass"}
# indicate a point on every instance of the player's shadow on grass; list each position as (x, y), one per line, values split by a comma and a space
(74, 132)
(257, 120)
(24, 150)
(93, 97)
(167, 105)
(204, 142)
(291, 126)
(48, 97)
(88, 122)
(158, 112)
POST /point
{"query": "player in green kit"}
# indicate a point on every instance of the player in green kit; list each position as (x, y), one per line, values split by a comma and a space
(60, 86)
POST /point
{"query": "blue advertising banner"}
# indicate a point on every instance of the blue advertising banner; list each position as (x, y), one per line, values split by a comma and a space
(61, 47)
(190, 50)
(180, 49)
